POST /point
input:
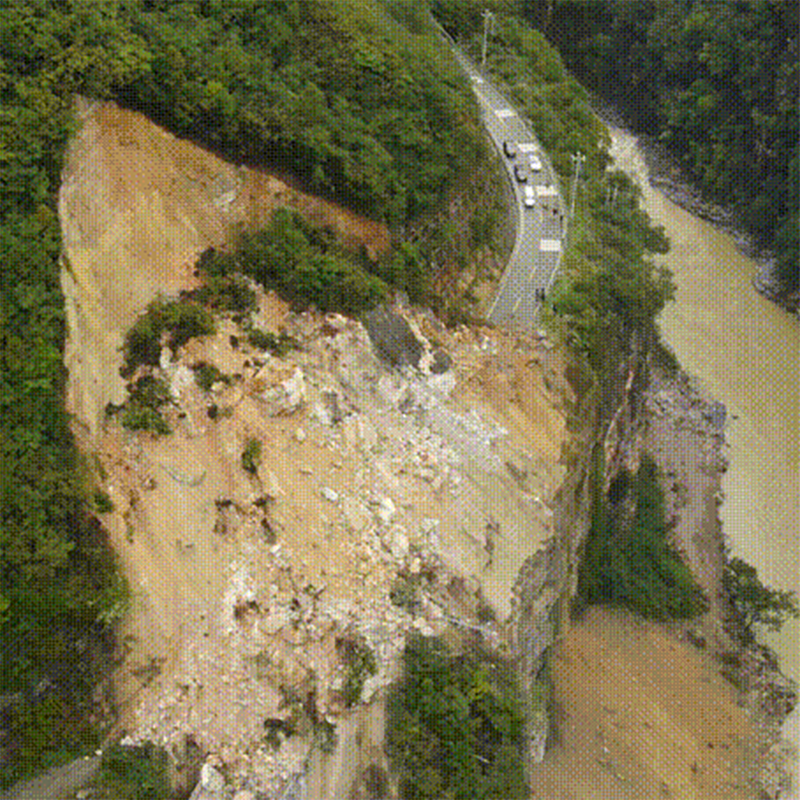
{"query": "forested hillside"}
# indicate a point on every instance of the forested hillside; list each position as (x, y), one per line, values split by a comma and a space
(716, 81)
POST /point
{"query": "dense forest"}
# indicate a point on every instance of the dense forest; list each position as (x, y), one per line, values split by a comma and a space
(716, 81)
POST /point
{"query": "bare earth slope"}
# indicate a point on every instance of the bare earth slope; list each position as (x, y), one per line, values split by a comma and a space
(643, 715)
(243, 583)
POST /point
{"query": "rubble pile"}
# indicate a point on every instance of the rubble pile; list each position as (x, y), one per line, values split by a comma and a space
(385, 500)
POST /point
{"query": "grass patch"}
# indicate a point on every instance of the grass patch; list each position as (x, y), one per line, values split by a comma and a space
(133, 773)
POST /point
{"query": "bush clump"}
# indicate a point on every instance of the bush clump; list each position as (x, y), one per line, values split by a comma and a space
(756, 603)
(302, 265)
(224, 293)
(628, 560)
(103, 504)
(251, 456)
(142, 410)
(361, 664)
(164, 323)
(206, 375)
(278, 345)
(455, 725)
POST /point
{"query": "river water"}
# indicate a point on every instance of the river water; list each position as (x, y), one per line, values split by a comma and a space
(745, 351)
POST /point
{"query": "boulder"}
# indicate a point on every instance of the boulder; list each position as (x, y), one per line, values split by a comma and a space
(211, 785)
(182, 378)
(393, 338)
(357, 516)
(399, 544)
(281, 387)
(386, 510)
(329, 494)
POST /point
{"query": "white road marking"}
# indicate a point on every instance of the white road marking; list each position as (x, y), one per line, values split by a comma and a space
(505, 113)
(477, 78)
(550, 245)
(546, 191)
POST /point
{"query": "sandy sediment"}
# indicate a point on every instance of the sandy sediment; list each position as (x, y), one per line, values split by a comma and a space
(647, 710)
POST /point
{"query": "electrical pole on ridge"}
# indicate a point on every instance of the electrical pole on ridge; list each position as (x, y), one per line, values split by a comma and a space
(488, 20)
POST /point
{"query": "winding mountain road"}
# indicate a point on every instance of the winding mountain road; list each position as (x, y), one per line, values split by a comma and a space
(536, 255)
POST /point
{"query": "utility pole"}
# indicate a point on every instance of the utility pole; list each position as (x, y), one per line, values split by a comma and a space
(577, 161)
(488, 19)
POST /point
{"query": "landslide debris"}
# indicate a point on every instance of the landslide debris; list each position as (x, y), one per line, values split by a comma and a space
(377, 496)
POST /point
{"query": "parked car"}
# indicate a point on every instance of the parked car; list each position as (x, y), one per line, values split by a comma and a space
(535, 163)
(528, 196)
(520, 174)
(509, 149)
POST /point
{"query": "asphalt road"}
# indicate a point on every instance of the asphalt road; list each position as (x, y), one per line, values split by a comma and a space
(536, 255)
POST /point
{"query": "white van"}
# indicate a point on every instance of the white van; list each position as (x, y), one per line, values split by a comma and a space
(528, 196)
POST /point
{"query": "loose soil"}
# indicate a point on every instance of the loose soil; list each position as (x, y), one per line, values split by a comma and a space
(642, 714)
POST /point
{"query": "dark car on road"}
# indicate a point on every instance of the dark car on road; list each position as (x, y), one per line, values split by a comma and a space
(509, 149)
(520, 174)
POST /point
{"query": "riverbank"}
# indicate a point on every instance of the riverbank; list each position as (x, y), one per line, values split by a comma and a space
(665, 174)
(686, 436)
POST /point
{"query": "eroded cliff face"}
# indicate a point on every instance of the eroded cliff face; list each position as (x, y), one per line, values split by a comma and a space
(248, 589)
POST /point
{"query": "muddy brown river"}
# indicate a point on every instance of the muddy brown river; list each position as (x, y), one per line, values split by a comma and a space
(744, 350)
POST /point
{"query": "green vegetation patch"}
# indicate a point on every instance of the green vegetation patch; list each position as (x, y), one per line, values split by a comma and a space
(455, 725)
(251, 456)
(170, 323)
(628, 559)
(360, 661)
(133, 773)
(278, 345)
(340, 94)
(223, 293)
(715, 82)
(300, 264)
(206, 375)
(142, 411)
(756, 603)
